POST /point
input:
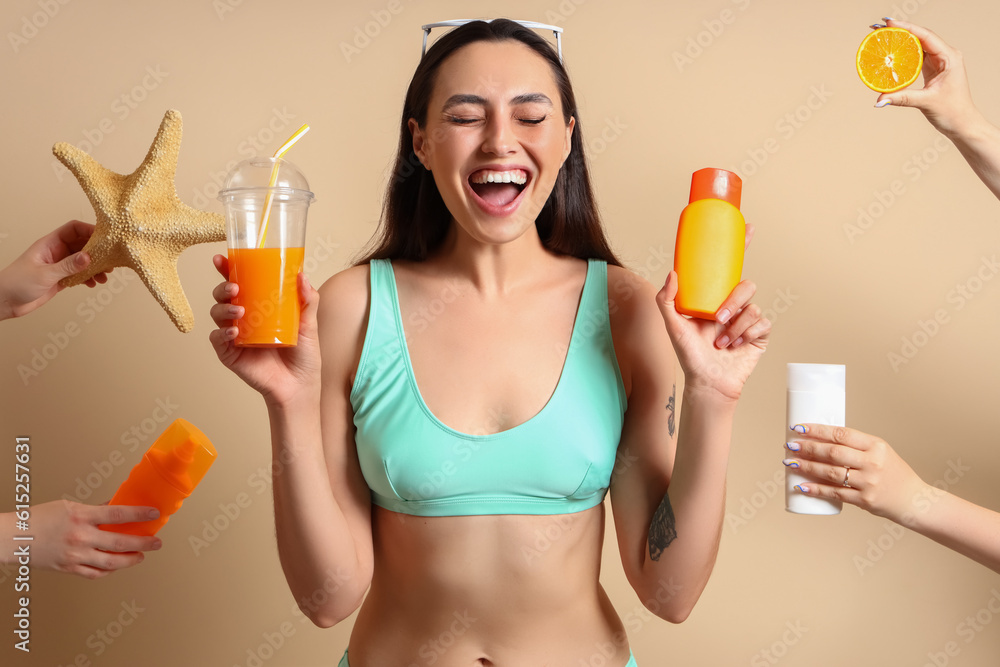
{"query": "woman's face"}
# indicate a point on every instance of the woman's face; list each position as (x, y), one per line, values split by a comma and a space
(495, 138)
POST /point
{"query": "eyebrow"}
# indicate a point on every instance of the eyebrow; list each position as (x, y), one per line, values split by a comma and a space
(526, 98)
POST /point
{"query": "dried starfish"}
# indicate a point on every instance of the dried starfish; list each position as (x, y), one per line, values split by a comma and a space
(141, 222)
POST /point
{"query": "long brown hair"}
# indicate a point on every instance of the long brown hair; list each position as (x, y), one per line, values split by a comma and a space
(414, 216)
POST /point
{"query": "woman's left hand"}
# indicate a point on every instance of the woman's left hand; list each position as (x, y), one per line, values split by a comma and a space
(717, 355)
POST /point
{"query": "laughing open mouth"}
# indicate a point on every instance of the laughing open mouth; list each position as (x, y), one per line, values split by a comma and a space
(498, 188)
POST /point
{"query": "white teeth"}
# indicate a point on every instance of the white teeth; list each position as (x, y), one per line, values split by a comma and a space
(516, 176)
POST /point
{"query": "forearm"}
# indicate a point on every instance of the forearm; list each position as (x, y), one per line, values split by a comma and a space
(969, 529)
(315, 545)
(694, 505)
(6, 307)
(979, 142)
(7, 538)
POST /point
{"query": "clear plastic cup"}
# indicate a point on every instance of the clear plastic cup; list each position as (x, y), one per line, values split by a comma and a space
(267, 274)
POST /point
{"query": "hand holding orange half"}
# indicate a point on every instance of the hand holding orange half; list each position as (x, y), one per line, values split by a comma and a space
(889, 59)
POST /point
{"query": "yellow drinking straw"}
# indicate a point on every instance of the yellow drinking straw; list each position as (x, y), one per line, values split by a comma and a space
(274, 179)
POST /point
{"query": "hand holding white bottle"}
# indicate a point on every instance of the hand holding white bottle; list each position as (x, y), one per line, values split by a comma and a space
(816, 394)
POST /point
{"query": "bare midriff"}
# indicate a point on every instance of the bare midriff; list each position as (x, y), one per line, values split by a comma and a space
(487, 591)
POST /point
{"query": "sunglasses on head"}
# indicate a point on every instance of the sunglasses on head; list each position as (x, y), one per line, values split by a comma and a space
(556, 30)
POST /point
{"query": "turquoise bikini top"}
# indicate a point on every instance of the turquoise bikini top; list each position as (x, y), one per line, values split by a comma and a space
(559, 461)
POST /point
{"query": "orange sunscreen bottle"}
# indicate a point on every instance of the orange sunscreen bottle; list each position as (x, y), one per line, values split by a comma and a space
(708, 257)
(165, 476)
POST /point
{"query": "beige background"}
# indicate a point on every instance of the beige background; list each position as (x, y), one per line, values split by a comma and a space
(241, 69)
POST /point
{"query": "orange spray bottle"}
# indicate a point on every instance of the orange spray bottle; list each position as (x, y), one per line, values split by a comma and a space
(165, 476)
(708, 257)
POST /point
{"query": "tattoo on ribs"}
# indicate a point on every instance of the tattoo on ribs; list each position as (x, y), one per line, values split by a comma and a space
(670, 411)
(663, 529)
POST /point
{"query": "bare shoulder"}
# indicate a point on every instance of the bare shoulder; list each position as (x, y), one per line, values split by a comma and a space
(632, 303)
(640, 337)
(345, 293)
(343, 319)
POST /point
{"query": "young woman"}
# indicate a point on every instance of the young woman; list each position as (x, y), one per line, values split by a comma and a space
(488, 371)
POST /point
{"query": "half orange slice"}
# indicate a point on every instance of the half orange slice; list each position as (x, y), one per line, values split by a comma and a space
(889, 59)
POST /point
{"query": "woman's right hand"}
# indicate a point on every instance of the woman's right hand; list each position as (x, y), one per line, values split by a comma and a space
(945, 98)
(33, 278)
(878, 479)
(278, 373)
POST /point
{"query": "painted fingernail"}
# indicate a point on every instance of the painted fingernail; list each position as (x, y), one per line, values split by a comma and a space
(882, 103)
(791, 463)
(236, 310)
(888, 18)
(876, 26)
(793, 446)
(154, 514)
(231, 332)
(802, 488)
(723, 316)
(799, 428)
(723, 341)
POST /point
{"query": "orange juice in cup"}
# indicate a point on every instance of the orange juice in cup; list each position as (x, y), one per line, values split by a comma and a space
(266, 203)
(268, 280)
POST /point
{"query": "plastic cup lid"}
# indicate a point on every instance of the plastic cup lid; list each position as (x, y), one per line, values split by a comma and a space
(253, 176)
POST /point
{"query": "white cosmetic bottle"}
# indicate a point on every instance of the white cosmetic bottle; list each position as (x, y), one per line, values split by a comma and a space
(816, 395)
